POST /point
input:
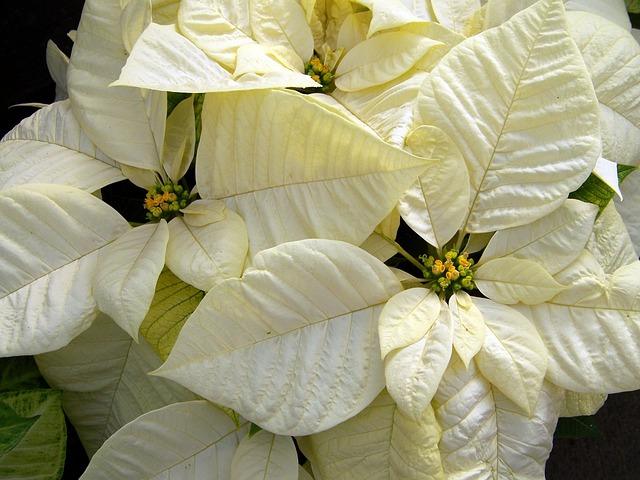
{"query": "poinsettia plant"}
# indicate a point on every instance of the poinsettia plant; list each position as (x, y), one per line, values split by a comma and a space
(267, 319)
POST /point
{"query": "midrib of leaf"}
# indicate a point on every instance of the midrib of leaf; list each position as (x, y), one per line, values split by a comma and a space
(266, 467)
(195, 359)
(196, 453)
(504, 124)
(56, 269)
(115, 391)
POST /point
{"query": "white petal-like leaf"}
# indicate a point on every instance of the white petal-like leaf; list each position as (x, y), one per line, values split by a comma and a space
(612, 57)
(50, 147)
(484, 437)
(294, 168)
(377, 244)
(428, 207)
(554, 241)
(620, 137)
(607, 171)
(499, 11)
(388, 14)
(513, 357)
(217, 27)
(162, 59)
(126, 123)
(610, 242)
(135, 17)
(613, 10)
(282, 23)
(406, 318)
(179, 140)
(50, 237)
(180, 441)
(478, 242)
(580, 404)
(387, 109)
(454, 14)
(592, 331)
(382, 58)
(468, 324)
(127, 273)
(265, 456)
(380, 442)
(141, 177)
(511, 280)
(113, 388)
(528, 129)
(57, 63)
(413, 373)
(354, 30)
(205, 255)
(165, 11)
(265, 345)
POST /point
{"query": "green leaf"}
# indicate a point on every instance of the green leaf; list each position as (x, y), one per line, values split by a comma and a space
(633, 6)
(253, 429)
(625, 170)
(172, 304)
(40, 453)
(595, 191)
(577, 427)
(19, 373)
(173, 99)
(12, 427)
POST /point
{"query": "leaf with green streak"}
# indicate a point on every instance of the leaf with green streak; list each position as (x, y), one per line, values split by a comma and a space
(12, 427)
(198, 102)
(19, 373)
(595, 191)
(577, 427)
(40, 453)
(633, 6)
(172, 304)
(173, 99)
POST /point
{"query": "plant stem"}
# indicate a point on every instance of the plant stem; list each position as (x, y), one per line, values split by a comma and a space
(415, 262)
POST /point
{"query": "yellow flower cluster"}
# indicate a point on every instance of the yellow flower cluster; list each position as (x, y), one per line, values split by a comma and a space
(449, 274)
(320, 73)
(164, 201)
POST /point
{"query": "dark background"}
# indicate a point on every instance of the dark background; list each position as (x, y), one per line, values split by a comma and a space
(25, 29)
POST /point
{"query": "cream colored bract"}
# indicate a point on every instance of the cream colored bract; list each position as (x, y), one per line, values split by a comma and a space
(252, 321)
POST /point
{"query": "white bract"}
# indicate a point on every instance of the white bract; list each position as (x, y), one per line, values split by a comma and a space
(315, 126)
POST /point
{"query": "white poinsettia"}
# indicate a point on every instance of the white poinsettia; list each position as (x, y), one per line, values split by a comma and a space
(266, 344)
(476, 142)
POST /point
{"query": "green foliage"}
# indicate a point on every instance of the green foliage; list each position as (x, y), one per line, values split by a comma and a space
(13, 427)
(33, 435)
(198, 102)
(253, 429)
(172, 304)
(173, 99)
(577, 427)
(19, 373)
(38, 449)
(595, 191)
(633, 6)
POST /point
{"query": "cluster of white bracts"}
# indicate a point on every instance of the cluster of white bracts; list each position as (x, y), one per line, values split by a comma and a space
(459, 116)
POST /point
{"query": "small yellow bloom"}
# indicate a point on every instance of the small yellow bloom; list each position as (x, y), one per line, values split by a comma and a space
(438, 267)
